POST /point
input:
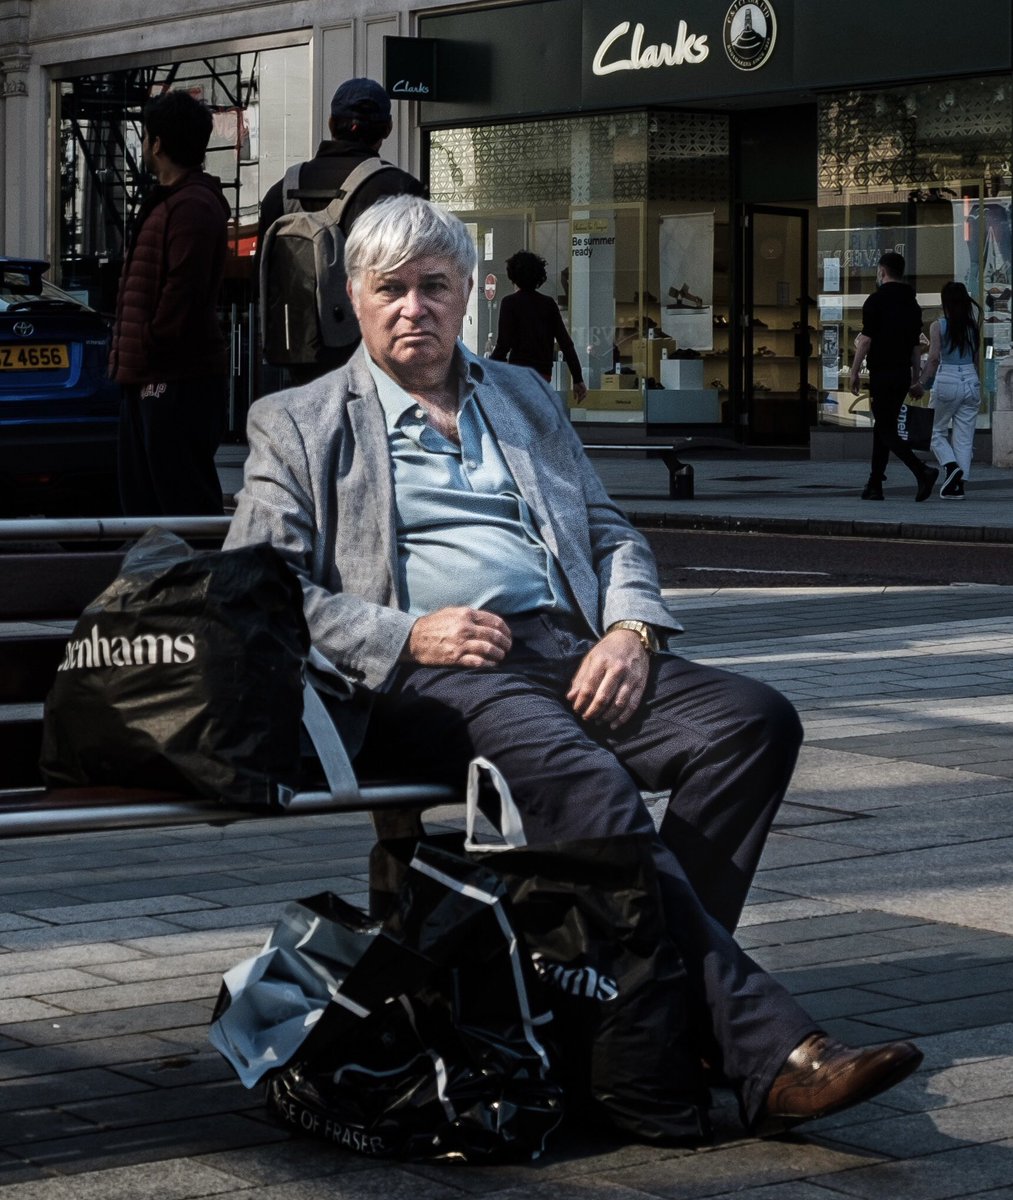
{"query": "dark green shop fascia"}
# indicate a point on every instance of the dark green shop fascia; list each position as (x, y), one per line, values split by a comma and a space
(528, 60)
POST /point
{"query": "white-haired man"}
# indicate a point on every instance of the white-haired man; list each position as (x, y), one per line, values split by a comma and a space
(474, 590)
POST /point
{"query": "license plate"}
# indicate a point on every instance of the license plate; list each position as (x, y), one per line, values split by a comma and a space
(34, 358)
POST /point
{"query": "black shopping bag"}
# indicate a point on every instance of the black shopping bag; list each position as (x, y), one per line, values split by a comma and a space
(414, 1040)
(591, 917)
(914, 425)
(184, 675)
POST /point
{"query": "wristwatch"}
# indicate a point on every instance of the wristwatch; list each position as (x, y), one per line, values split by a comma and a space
(645, 632)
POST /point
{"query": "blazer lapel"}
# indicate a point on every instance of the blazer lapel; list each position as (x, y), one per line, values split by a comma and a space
(374, 483)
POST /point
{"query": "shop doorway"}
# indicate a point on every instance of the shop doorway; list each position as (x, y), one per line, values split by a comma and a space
(778, 335)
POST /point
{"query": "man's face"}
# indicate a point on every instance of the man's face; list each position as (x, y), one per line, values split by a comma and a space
(410, 317)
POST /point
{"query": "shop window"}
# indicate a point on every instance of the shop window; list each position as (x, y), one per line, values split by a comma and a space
(630, 212)
(925, 171)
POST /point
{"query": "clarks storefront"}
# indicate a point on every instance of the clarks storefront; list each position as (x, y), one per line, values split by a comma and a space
(712, 184)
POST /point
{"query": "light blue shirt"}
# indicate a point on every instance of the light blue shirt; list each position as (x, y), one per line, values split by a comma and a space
(465, 535)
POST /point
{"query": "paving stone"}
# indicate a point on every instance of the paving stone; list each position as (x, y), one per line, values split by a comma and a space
(36, 983)
(964, 1013)
(728, 1169)
(112, 996)
(292, 1159)
(843, 1002)
(818, 927)
(52, 936)
(58, 957)
(75, 1056)
(386, 1183)
(148, 1144)
(23, 1008)
(83, 1027)
(177, 965)
(64, 1088)
(959, 1172)
(144, 907)
(179, 1180)
(152, 1105)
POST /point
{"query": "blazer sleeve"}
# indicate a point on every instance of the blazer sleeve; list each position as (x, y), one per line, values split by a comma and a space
(353, 639)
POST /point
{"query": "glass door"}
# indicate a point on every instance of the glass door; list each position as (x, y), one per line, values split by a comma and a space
(778, 336)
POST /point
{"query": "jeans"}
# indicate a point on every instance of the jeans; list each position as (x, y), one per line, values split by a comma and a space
(956, 398)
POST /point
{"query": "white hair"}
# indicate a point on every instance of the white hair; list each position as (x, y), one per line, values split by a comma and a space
(397, 230)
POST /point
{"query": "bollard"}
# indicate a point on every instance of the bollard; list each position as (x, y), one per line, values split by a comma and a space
(682, 483)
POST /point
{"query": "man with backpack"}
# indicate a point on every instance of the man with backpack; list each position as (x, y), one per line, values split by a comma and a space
(306, 325)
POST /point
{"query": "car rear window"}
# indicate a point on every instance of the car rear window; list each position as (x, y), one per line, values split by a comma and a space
(25, 290)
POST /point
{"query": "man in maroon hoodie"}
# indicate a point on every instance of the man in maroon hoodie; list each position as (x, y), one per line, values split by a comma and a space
(168, 349)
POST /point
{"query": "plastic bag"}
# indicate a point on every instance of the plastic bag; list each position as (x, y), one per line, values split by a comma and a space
(412, 1041)
(184, 675)
(592, 920)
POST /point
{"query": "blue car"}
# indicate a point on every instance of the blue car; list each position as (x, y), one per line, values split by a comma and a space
(58, 410)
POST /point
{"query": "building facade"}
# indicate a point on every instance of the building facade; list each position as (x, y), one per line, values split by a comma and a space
(710, 182)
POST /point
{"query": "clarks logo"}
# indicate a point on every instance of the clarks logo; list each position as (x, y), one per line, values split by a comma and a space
(576, 981)
(403, 87)
(147, 648)
(689, 48)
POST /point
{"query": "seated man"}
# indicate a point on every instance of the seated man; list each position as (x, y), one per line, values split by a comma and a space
(473, 590)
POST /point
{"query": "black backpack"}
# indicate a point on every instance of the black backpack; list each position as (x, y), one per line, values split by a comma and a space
(304, 307)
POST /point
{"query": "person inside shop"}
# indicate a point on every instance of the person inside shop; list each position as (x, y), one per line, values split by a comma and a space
(956, 392)
(891, 342)
(531, 325)
(472, 590)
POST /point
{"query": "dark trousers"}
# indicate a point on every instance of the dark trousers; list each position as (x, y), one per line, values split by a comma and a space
(724, 744)
(168, 436)
(888, 390)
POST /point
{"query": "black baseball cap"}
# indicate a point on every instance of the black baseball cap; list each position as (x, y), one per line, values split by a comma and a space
(360, 98)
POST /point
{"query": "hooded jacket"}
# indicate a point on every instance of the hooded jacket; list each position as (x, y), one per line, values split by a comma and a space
(167, 325)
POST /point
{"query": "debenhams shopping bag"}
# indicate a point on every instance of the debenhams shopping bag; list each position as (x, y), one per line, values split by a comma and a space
(184, 675)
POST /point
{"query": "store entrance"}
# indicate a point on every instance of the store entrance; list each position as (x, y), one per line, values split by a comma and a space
(778, 335)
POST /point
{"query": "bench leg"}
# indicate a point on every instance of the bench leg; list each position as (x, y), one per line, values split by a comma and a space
(680, 477)
(397, 833)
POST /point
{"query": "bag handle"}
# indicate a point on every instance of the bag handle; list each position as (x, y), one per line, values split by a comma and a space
(484, 776)
(337, 766)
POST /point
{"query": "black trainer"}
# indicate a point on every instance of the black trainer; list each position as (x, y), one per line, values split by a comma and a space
(926, 482)
(953, 484)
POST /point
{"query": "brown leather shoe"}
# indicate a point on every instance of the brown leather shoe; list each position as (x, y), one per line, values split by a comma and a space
(822, 1076)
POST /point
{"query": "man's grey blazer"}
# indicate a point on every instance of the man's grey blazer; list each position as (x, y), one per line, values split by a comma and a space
(319, 487)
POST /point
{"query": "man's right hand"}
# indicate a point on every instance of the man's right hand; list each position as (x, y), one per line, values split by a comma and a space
(458, 637)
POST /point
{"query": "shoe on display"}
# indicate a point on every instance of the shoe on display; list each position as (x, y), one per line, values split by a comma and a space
(926, 482)
(953, 483)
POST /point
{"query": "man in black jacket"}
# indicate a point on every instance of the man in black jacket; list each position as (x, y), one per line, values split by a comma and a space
(359, 123)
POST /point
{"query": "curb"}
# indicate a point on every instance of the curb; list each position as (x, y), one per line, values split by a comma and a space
(823, 527)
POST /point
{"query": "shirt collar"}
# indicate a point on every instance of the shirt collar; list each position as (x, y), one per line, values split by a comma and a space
(395, 401)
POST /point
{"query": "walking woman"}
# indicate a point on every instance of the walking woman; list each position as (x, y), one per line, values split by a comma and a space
(530, 324)
(956, 394)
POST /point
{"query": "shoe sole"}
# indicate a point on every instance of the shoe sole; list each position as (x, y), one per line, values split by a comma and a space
(883, 1083)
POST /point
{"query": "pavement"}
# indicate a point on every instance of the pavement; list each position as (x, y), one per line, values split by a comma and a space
(884, 901)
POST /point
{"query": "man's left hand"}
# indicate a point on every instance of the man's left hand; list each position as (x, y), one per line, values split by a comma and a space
(610, 680)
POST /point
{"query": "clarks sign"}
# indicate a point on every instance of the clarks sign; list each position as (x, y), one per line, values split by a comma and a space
(680, 47)
(688, 48)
